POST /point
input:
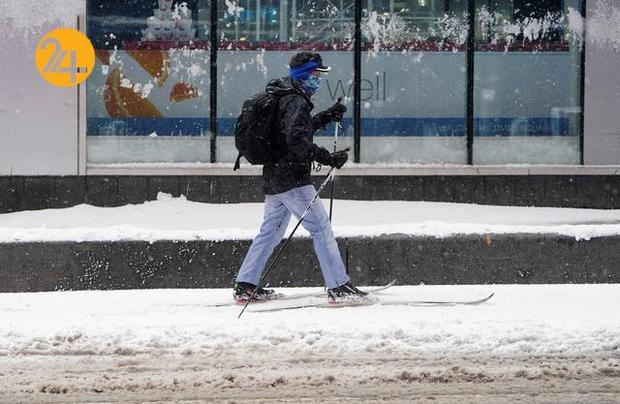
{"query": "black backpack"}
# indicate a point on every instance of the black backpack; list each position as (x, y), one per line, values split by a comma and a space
(255, 129)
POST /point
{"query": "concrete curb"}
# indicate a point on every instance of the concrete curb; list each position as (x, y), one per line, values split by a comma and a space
(465, 259)
(581, 191)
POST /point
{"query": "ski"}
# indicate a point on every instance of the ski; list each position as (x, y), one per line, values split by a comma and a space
(439, 302)
(378, 302)
(294, 296)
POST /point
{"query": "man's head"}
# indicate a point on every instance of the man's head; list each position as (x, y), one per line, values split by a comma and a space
(302, 58)
(306, 68)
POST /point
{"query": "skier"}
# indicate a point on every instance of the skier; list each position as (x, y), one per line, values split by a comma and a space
(288, 187)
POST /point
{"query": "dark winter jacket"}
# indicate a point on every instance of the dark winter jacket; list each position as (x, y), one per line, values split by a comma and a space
(294, 146)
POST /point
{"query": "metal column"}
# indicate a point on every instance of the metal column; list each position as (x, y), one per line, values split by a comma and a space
(357, 79)
(213, 85)
(469, 105)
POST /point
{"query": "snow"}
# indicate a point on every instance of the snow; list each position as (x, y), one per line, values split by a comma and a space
(534, 343)
(518, 320)
(233, 8)
(118, 341)
(169, 218)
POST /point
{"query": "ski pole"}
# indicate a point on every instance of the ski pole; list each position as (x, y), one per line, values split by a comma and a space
(330, 176)
(331, 196)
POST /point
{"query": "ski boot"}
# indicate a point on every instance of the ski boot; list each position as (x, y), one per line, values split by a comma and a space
(347, 294)
(243, 291)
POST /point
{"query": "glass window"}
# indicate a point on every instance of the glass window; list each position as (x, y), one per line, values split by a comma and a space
(148, 98)
(413, 81)
(256, 40)
(527, 82)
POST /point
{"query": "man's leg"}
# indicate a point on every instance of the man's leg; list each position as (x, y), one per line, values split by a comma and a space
(318, 225)
(271, 232)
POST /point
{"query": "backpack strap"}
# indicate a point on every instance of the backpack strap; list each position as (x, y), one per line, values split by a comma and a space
(237, 162)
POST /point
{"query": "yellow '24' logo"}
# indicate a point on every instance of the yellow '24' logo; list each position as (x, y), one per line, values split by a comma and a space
(65, 57)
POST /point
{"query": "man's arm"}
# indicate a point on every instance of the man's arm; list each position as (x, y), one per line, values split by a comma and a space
(318, 121)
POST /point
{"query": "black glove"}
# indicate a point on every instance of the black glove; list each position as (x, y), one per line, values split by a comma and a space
(331, 114)
(322, 156)
(336, 159)
(335, 112)
(339, 158)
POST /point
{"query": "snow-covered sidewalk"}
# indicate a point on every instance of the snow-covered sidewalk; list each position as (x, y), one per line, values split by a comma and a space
(170, 218)
(520, 319)
(172, 343)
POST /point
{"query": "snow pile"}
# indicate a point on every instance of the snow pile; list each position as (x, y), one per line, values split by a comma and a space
(520, 320)
(170, 218)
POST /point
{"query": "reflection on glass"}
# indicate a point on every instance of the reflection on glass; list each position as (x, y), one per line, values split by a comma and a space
(527, 82)
(256, 41)
(413, 82)
(148, 98)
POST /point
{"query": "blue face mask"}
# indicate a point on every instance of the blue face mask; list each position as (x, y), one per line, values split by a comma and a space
(311, 83)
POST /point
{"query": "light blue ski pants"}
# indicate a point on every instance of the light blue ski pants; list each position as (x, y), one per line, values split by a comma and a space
(278, 209)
